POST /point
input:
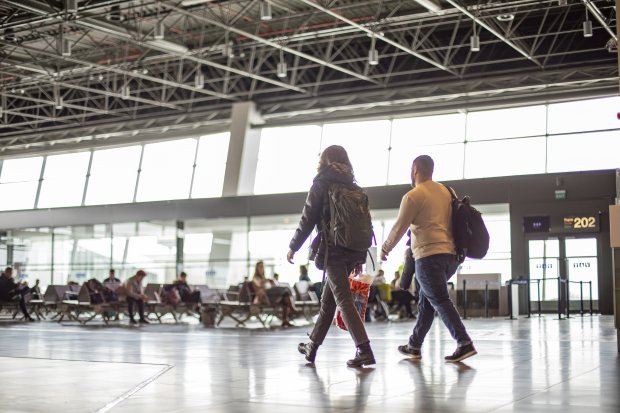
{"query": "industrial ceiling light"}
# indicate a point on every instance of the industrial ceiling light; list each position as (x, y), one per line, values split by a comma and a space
(57, 97)
(187, 3)
(474, 40)
(168, 46)
(429, 5)
(373, 54)
(282, 69)
(562, 2)
(8, 35)
(587, 26)
(65, 47)
(507, 17)
(199, 79)
(125, 92)
(71, 6)
(114, 15)
(475, 43)
(265, 10)
(160, 31)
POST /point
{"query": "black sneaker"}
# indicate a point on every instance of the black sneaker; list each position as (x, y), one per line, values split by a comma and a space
(132, 321)
(412, 353)
(462, 353)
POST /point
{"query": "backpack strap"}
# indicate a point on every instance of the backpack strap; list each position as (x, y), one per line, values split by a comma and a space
(452, 192)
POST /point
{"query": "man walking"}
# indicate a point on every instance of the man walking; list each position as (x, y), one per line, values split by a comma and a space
(427, 210)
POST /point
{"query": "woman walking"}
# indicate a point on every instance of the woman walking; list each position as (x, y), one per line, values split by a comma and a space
(334, 168)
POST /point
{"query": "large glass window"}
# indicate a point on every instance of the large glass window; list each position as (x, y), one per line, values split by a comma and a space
(506, 123)
(113, 175)
(268, 242)
(63, 180)
(584, 151)
(505, 157)
(440, 137)
(92, 247)
(431, 130)
(448, 161)
(367, 145)
(287, 159)
(166, 170)
(584, 115)
(19, 182)
(210, 165)
(150, 246)
(216, 251)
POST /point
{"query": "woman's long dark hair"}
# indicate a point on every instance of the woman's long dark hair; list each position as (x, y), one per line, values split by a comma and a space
(335, 157)
(256, 269)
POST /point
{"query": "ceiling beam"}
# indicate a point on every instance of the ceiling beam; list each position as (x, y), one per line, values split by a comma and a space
(89, 89)
(267, 42)
(598, 16)
(493, 31)
(379, 36)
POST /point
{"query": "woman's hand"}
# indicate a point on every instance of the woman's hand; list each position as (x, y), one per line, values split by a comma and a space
(290, 255)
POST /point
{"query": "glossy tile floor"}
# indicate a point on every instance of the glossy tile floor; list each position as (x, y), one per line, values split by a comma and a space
(527, 365)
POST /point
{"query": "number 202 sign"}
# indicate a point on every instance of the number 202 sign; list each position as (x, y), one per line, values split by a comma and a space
(582, 223)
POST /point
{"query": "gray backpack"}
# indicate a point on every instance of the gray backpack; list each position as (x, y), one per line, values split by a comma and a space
(350, 224)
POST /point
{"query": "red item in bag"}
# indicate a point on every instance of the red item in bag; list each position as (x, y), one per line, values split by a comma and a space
(360, 290)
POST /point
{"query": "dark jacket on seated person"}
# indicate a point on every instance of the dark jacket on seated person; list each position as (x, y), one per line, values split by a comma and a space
(8, 288)
(186, 293)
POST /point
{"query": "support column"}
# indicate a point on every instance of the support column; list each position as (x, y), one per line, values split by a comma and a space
(614, 235)
(219, 258)
(9, 254)
(242, 150)
(180, 246)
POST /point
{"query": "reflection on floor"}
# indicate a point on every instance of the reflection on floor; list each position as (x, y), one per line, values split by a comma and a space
(528, 365)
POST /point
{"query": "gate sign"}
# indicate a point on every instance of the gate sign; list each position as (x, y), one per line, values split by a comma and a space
(582, 223)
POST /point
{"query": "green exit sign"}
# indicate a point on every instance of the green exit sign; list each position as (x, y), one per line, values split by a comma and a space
(560, 194)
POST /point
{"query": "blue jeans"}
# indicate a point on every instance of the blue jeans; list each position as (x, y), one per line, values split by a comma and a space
(433, 273)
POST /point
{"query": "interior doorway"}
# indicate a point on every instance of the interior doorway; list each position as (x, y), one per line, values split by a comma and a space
(571, 259)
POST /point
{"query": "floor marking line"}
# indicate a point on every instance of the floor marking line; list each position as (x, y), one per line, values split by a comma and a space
(133, 391)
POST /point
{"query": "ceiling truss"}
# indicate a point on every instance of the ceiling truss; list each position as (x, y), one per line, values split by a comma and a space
(119, 81)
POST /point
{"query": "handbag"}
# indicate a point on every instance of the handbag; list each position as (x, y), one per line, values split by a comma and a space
(360, 288)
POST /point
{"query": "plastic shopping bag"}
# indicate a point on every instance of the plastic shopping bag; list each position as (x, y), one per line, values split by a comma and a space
(360, 288)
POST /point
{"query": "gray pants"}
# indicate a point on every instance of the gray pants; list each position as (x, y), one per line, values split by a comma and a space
(338, 293)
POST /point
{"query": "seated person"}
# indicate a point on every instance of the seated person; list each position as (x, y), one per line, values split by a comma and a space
(185, 291)
(136, 296)
(266, 292)
(12, 291)
(110, 285)
(379, 278)
(402, 298)
(303, 273)
(111, 277)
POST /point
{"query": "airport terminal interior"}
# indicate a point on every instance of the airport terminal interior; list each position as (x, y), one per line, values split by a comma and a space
(156, 156)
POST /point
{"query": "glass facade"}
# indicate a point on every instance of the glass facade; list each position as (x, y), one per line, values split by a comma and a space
(571, 136)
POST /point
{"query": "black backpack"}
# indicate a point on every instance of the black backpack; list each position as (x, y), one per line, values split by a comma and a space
(470, 234)
(350, 224)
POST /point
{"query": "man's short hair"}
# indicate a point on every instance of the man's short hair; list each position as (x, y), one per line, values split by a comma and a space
(425, 165)
(141, 273)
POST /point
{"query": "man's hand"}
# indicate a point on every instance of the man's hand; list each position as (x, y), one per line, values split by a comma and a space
(383, 255)
(290, 255)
